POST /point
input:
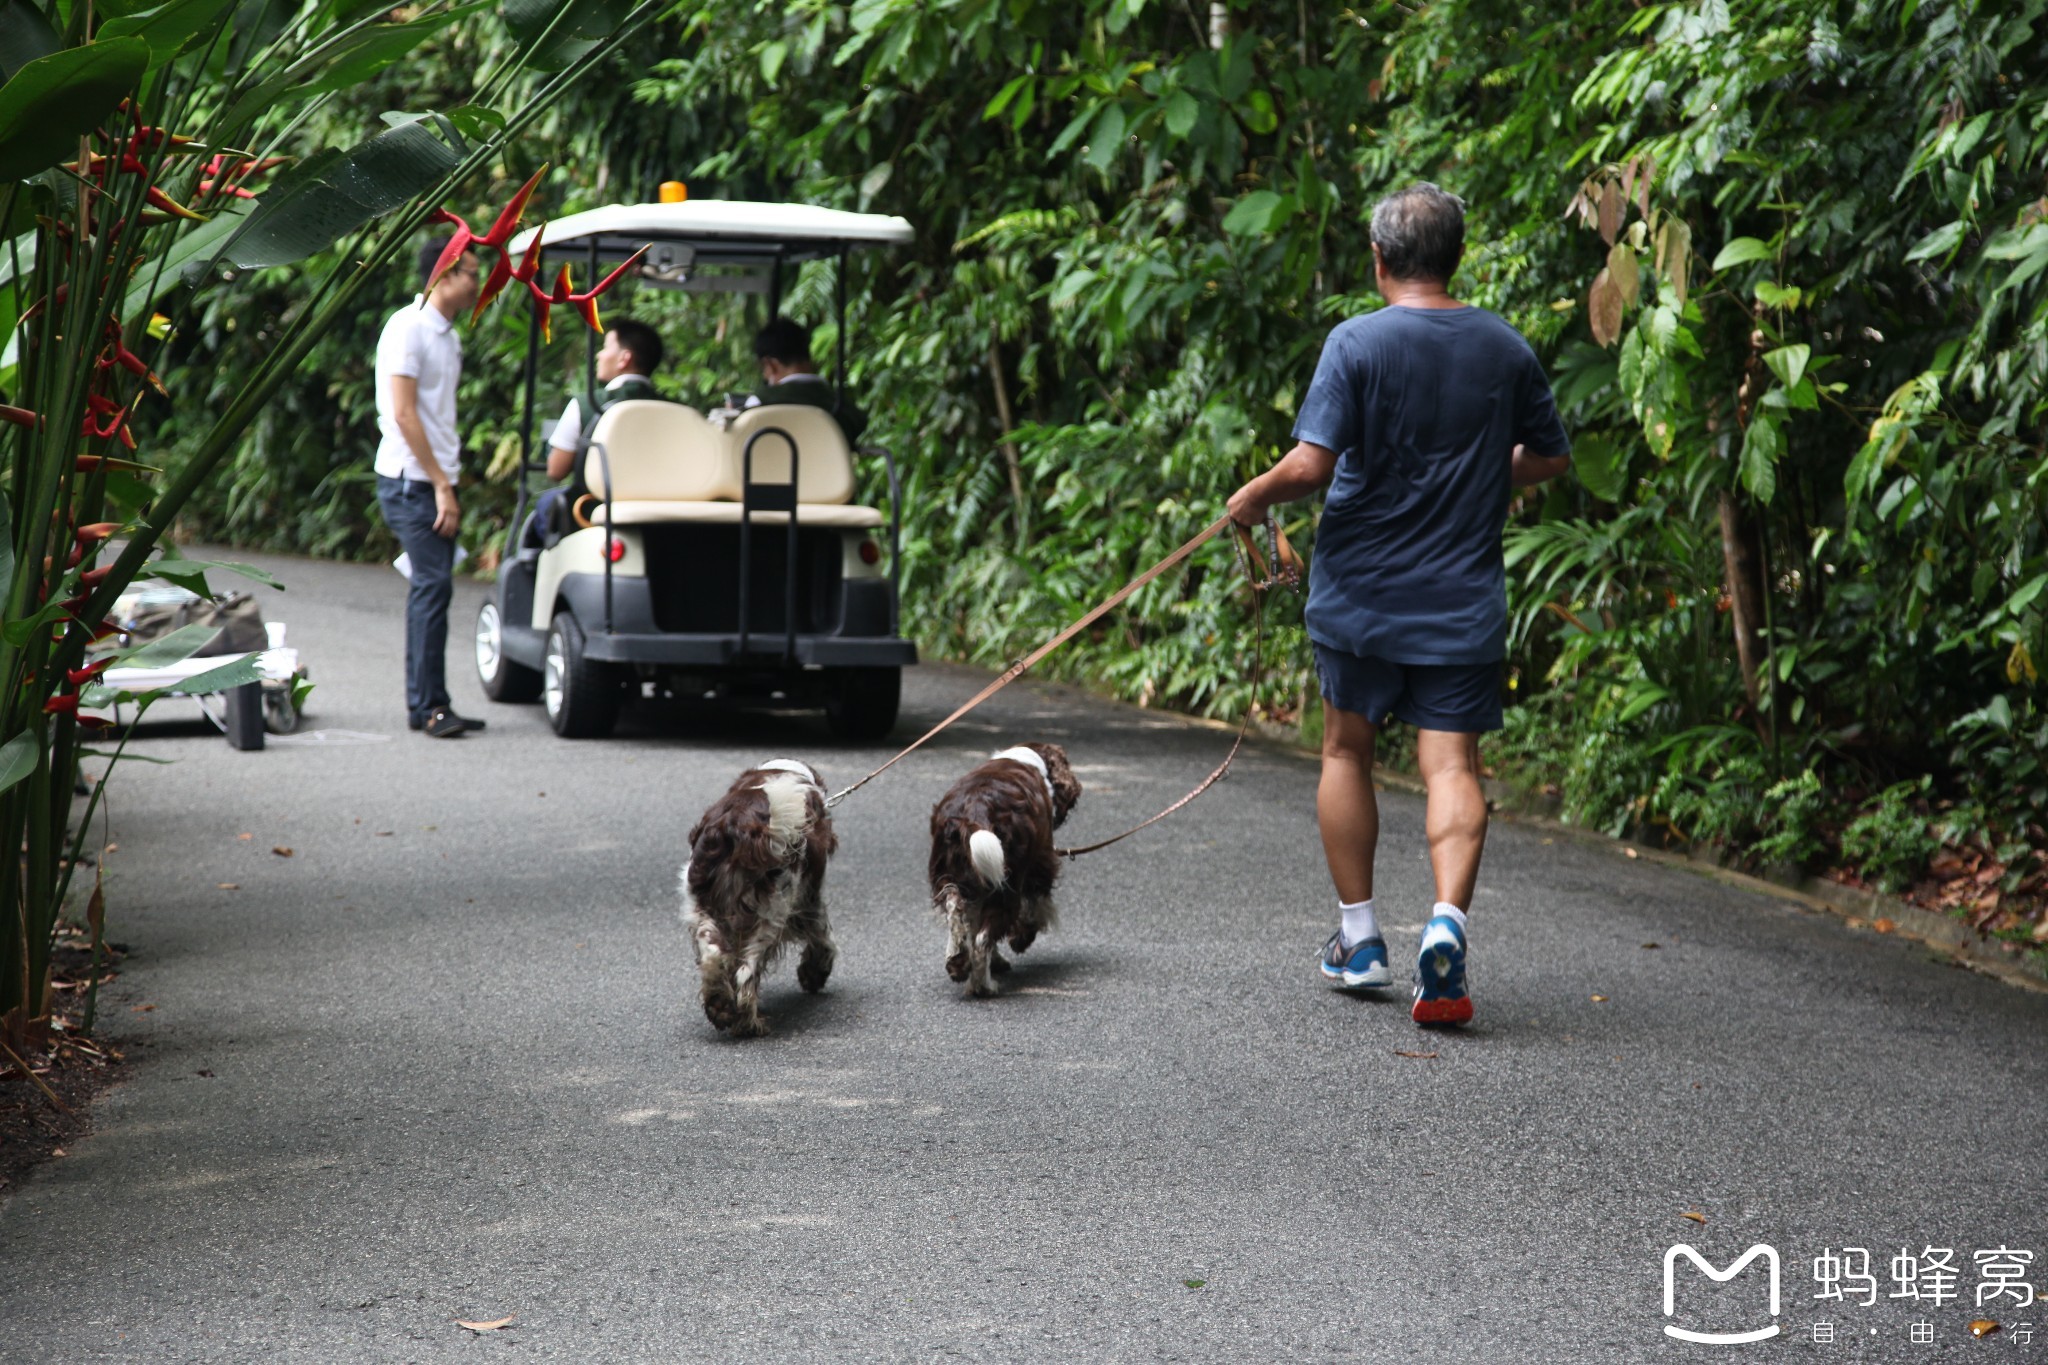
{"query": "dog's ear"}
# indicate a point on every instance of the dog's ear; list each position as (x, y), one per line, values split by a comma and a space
(1066, 788)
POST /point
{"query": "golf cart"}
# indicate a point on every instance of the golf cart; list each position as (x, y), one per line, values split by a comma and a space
(717, 555)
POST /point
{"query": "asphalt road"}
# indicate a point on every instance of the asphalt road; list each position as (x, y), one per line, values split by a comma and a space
(445, 1062)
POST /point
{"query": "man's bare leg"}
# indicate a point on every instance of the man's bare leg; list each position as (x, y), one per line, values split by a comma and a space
(1346, 808)
(1456, 820)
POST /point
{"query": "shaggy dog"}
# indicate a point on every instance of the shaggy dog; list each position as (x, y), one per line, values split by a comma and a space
(993, 863)
(754, 883)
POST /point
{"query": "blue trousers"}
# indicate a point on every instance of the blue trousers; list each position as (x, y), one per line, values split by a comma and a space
(408, 506)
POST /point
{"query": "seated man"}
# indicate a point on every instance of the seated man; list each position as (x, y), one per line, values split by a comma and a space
(784, 350)
(630, 353)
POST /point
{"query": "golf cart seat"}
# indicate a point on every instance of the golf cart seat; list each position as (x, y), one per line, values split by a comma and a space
(670, 465)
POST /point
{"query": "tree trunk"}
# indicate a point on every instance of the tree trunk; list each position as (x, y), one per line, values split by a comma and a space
(1009, 447)
(1745, 588)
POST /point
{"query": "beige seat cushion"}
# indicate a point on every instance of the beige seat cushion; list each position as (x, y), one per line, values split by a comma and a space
(656, 451)
(839, 516)
(824, 463)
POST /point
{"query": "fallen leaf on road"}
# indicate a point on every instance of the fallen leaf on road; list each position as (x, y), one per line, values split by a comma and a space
(245, 836)
(1983, 1327)
(1194, 1284)
(1597, 999)
(207, 1074)
(383, 834)
(491, 1326)
(141, 1009)
(1653, 945)
(1883, 926)
(1696, 1216)
(1632, 853)
(280, 850)
(229, 886)
(1419, 1056)
(57, 1151)
(113, 848)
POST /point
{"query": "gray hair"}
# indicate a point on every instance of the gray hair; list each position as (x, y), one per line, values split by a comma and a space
(1420, 232)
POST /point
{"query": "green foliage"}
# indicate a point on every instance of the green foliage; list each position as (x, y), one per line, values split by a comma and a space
(1794, 809)
(1891, 841)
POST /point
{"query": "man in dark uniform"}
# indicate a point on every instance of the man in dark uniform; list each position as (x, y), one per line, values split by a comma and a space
(784, 350)
(630, 353)
(1422, 419)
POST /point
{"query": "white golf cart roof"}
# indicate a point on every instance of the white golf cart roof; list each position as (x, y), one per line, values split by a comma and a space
(712, 232)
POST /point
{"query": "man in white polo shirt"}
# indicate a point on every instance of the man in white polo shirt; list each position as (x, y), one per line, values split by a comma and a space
(419, 363)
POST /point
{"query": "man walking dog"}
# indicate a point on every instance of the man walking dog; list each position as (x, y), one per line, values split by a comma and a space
(1422, 418)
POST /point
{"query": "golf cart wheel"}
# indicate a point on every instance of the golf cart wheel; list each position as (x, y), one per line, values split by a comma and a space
(861, 703)
(582, 697)
(503, 679)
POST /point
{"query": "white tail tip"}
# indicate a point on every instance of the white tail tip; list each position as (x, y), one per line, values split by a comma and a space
(985, 851)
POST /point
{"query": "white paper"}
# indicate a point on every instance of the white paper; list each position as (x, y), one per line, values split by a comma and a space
(404, 562)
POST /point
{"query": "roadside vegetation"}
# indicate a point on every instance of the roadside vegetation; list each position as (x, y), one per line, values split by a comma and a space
(1786, 262)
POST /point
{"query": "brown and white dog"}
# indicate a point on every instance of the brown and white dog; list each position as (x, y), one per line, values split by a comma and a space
(754, 884)
(993, 863)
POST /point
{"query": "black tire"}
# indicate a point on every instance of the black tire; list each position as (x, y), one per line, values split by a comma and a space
(503, 679)
(582, 697)
(861, 703)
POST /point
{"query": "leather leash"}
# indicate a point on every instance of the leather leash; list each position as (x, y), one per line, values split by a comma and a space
(1284, 568)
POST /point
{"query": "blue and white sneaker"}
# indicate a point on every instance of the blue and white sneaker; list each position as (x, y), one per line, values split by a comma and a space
(1364, 963)
(1440, 996)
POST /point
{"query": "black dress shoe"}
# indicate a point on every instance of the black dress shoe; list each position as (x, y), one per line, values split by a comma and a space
(445, 724)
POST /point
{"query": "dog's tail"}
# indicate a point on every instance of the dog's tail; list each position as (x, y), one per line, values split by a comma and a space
(985, 852)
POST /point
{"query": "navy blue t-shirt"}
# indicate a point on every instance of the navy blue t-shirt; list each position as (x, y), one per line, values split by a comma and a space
(1424, 407)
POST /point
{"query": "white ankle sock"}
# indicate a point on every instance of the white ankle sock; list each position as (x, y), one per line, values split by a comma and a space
(1360, 923)
(1450, 912)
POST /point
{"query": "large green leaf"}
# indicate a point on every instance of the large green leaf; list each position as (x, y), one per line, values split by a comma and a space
(180, 264)
(1601, 462)
(1740, 250)
(18, 758)
(333, 193)
(345, 60)
(1255, 213)
(180, 645)
(24, 36)
(583, 25)
(243, 670)
(168, 29)
(191, 573)
(53, 101)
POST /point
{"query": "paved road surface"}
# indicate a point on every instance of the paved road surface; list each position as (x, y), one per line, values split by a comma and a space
(456, 1071)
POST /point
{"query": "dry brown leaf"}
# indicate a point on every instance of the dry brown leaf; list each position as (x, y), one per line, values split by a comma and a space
(1695, 1215)
(1603, 308)
(492, 1326)
(57, 1151)
(229, 886)
(140, 1009)
(1983, 1327)
(1610, 212)
(280, 850)
(1653, 945)
(113, 848)
(1597, 999)
(1632, 853)
(1419, 1056)
(245, 836)
(1883, 926)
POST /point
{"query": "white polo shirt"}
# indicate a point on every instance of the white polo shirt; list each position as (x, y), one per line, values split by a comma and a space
(568, 432)
(419, 343)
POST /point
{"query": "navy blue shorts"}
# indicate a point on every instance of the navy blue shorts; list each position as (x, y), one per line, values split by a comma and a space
(1459, 698)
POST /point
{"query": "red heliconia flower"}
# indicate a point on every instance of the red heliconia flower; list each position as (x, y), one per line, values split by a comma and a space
(79, 677)
(584, 303)
(498, 237)
(20, 417)
(64, 705)
(97, 531)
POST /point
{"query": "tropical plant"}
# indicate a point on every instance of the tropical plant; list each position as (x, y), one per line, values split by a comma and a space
(151, 151)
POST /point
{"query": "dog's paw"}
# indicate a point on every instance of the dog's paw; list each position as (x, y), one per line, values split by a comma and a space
(754, 1026)
(956, 965)
(721, 1010)
(998, 964)
(1023, 938)
(814, 968)
(983, 989)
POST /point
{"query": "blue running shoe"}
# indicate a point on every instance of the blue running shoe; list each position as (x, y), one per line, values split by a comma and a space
(1364, 963)
(1440, 996)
